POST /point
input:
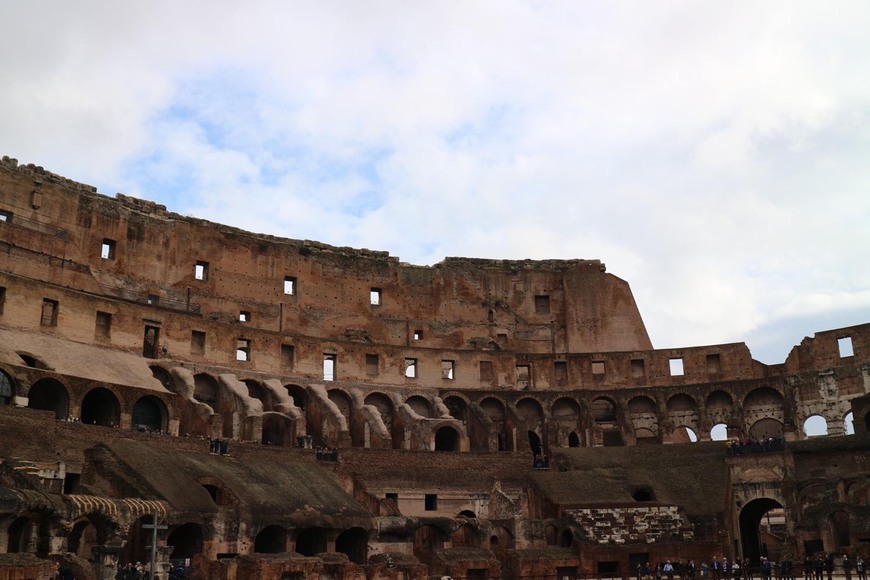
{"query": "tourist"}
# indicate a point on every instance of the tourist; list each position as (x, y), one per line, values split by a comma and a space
(859, 568)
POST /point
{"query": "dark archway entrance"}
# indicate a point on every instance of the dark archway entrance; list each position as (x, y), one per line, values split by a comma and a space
(353, 543)
(49, 395)
(311, 541)
(573, 440)
(535, 443)
(148, 414)
(100, 407)
(186, 541)
(446, 439)
(750, 535)
(5, 389)
(271, 540)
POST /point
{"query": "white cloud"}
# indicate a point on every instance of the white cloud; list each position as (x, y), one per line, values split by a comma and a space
(712, 155)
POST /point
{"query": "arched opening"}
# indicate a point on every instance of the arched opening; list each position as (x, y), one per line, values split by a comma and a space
(33, 361)
(644, 494)
(136, 549)
(6, 391)
(186, 541)
(467, 514)
(500, 540)
(464, 537)
(384, 406)
(446, 439)
(494, 411)
(849, 423)
(100, 407)
(162, 375)
(256, 390)
(271, 540)
(760, 404)
(684, 435)
(342, 401)
(353, 543)
(311, 541)
(299, 396)
(457, 408)
(719, 405)
(758, 542)
(205, 390)
(551, 534)
(82, 538)
(419, 405)
(573, 439)
(765, 428)
(815, 426)
(567, 417)
(21, 534)
(567, 538)
(644, 419)
(427, 541)
(149, 414)
(277, 430)
(532, 414)
(645, 437)
(49, 395)
(535, 444)
(719, 432)
(603, 411)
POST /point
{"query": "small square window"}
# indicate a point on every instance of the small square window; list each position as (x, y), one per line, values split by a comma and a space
(524, 375)
(329, 366)
(501, 338)
(418, 335)
(714, 365)
(542, 304)
(244, 316)
(200, 271)
(290, 285)
(197, 342)
(485, 370)
(638, 371)
(375, 296)
(49, 312)
(243, 349)
(431, 502)
(153, 299)
(5, 216)
(103, 325)
(676, 367)
(411, 368)
(447, 369)
(372, 365)
(392, 496)
(598, 367)
(288, 354)
(844, 345)
(107, 250)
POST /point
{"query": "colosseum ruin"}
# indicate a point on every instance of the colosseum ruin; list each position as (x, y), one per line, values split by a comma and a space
(271, 408)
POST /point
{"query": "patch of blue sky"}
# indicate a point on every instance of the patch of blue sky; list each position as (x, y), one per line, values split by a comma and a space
(498, 122)
(160, 179)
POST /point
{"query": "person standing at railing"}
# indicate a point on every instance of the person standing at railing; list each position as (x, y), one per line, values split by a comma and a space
(847, 567)
(859, 568)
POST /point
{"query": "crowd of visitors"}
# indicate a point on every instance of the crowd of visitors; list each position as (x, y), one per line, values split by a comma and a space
(754, 445)
(821, 567)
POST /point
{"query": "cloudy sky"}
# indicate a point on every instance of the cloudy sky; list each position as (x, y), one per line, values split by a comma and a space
(714, 154)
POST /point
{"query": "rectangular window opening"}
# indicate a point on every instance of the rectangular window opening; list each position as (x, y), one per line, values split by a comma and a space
(844, 345)
(560, 372)
(244, 316)
(524, 375)
(197, 342)
(107, 250)
(418, 335)
(501, 338)
(676, 367)
(372, 365)
(375, 296)
(153, 299)
(542, 304)
(49, 312)
(714, 364)
(151, 341)
(598, 367)
(290, 285)
(200, 271)
(447, 369)
(392, 496)
(287, 356)
(5, 216)
(486, 370)
(431, 502)
(329, 366)
(243, 349)
(638, 369)
(103, 325)
(411, 368)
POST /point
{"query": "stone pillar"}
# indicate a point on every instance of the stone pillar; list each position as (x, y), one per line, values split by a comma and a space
(105, 560)
(163, 566)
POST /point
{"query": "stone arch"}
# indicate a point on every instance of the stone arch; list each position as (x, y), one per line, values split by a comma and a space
(763, 403)
(457, 407)
(49, 394)
(494, 410)
(427, 541)
(535, 444)
(136, 548)
(7, 390)
(21, 536)
(100, 406)
(684, 434)
(567, 415)
(603, 410)
(385, 408)
(719, 432)
(342, 401)
(162, 375)
(567, 538)
(683, 415)
(353, 543)
(299, 396)
(644, 419)
(446, 439)
(420, 405)
(85, 534)
(719, 404)
(465, 536)
(271, 540)
(33, 361)
(311, 541)
(764, 428)
(206, 390)
(815, 425)
(849, 423)
(186, 541)
(149, 414)
(256, 390)
(501, 539)
(277, 430)
(551, 533)
(750, 520)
